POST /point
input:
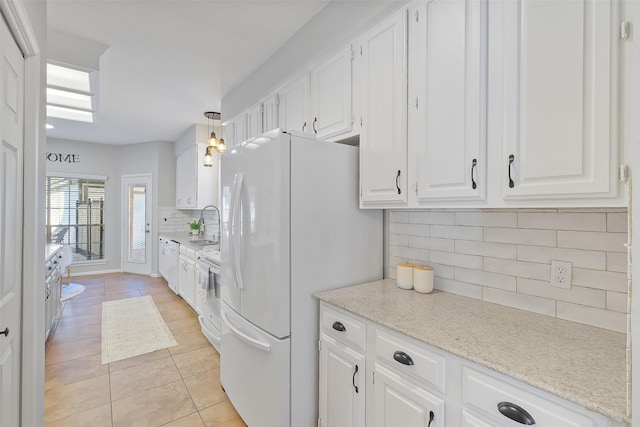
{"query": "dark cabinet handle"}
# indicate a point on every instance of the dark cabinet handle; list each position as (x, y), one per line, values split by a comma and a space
(516, 413)
(474, 163)
(511, 159)
(353, 379)
(315, 119)
(5, 332)
(304, 125)
(338, 326)
(402, 357)
(431, 417)
(397, 182)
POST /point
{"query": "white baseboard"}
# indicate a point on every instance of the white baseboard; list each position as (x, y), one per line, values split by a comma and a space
(94, 273)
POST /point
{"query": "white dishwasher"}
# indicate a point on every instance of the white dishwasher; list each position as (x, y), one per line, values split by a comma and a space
(168, 261)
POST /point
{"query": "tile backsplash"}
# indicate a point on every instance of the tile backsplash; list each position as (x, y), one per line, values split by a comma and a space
(172, 220)
(505, 256)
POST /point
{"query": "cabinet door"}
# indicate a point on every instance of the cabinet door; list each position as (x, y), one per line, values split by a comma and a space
(294, 105)
(270, 113)
(254, 121)
(183, 277)
(189, 176)
(190, 283)
(399, 402)
(186, 180)
(342, 385)
(240, 125)
(382, 70)
(447, 86)
(556, 117)
(228, 133)
(332, 96)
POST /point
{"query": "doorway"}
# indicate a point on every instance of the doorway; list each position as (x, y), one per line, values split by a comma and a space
(136, 227)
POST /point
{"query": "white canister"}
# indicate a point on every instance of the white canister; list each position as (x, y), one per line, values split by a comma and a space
(404, 275)
(423, 278)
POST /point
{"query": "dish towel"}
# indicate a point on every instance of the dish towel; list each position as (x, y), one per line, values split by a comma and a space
(204, 278)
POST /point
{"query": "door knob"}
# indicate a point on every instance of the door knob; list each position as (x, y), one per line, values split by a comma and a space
(5, 332)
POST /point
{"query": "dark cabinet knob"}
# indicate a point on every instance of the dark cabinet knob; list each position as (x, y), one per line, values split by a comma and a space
(402, 357)
(338, 326)
(516, 413)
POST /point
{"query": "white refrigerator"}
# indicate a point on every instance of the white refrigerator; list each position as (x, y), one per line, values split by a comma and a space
(291, 227)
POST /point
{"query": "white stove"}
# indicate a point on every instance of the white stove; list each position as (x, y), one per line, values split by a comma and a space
(210, 253)
(209, 273)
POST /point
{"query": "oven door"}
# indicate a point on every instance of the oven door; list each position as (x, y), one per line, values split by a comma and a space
(209, 282)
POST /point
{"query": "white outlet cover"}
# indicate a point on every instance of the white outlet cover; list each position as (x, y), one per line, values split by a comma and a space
(561, 274)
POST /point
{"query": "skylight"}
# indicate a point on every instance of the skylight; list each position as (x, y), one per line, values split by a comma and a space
(69, 94)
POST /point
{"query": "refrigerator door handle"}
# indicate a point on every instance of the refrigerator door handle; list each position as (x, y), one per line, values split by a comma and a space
(244, 337)
(234, 239)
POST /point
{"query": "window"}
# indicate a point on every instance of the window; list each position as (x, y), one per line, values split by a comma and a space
(70, 93)
(75, 215)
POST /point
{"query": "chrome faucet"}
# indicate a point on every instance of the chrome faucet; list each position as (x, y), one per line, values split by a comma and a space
(201, 220)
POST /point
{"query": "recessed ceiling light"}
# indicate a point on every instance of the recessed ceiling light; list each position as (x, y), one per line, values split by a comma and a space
(49, 126)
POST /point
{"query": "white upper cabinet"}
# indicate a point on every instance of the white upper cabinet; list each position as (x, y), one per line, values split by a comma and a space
(228, 133)
(196, 184)
(240, 129)
(556, 76)
(447, 99)
(254, 121)
(294, 107)
(332, 97)
(270, 112)
(381, 62)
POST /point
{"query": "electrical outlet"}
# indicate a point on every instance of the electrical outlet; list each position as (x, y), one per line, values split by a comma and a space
(561, 272)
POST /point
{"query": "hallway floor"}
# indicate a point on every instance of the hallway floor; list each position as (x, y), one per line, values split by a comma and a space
(174, 387)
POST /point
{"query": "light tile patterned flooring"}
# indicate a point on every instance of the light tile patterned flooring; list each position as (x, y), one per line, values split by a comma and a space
(174, 387)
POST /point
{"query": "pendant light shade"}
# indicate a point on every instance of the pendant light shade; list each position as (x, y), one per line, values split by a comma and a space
(213, 142)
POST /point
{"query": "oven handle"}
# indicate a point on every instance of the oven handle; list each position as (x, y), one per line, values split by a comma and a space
(244, 337)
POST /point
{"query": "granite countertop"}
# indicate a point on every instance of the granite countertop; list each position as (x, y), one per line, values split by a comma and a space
(186, 238)
(580, 363)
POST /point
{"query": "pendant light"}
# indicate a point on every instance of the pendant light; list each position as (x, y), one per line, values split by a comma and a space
(213, 142)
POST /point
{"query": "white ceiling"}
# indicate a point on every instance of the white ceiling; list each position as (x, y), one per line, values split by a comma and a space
(169, 61)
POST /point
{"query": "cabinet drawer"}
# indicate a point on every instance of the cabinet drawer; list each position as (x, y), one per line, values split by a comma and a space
(344, 327)
(486, 393)
(411, 358)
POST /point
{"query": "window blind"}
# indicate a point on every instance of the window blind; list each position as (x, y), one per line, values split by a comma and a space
(75, 215)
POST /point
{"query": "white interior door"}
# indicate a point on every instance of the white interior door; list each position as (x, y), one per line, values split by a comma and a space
(136, 233)
(11, 160)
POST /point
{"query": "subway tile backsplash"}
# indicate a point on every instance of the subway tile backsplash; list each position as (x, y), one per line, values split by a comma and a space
(172, 220)
(504, 257)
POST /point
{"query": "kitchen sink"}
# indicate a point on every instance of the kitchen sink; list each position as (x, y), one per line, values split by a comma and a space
(203, 242)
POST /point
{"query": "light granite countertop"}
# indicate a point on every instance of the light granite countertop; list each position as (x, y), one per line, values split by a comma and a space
(186, 238)
(580, 363)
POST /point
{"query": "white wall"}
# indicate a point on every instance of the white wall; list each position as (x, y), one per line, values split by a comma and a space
(113, 161)
(95, 159)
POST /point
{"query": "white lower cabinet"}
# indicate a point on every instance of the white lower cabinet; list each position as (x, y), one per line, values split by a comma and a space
(410, 383)
(470, 420)
(398, 402)
(187, 275)
(342, 385)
